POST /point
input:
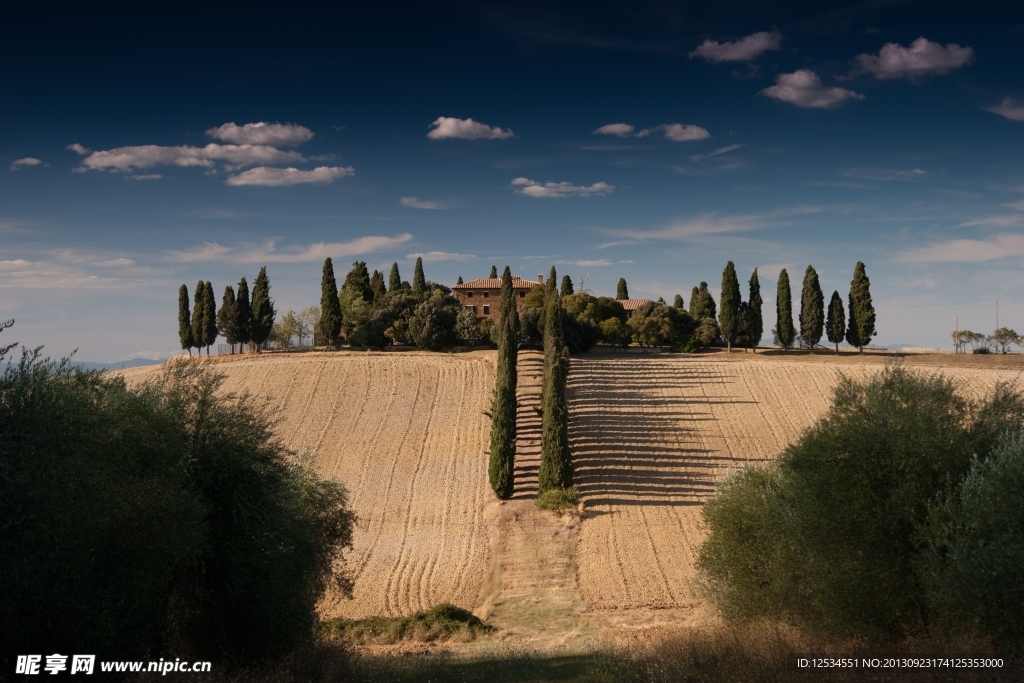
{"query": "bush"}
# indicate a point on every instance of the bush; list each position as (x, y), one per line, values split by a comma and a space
(160, 520)
(432, 326)
(559, 500)
(835, 527)
(467, 329)
(685, 344)
(440, 623)
(529, 324)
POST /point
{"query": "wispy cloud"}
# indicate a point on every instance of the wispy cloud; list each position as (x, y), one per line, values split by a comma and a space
(262, 133)
(804, 89)
(968, 251)
(145, 176)
(1019, 206)
(677, 132)
(147, 156)
(414, 203)
(78, 149)
(622, 130)
(532, 188)
(741, 50)
(1008, 109)
(1004, 221)
(269, 253)
(718, 152)
(266, 176)
(593, 263)
(884, 174)
(445, 127)
(25, 163)
(441, 256)
(708, 224)
(922, 58)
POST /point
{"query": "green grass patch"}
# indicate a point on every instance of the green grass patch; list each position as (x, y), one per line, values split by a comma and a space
(438, 624)
(559, 500)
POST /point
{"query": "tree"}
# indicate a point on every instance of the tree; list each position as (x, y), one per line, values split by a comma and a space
(567, 288)
(835, 325)
(243, 310)
(694, 296)
(755, 320)
(310, 319)
(861, 312)
(729, 310)
(377, 286)
(432, 326)
(677, 303)
(358, 281)
(652, 325)
(419, 282)
(184, 320)
(494, 273)
(555, 462)
(784, 331)
(702, 304)
(394, 280)
(1002, 338)
(501, 464)
(329, 325)
(621, 291)
(262, 309)
(812, 309)
(467, 328)
(459, 281)
(227, 318)
(209, 317)
(199, 317)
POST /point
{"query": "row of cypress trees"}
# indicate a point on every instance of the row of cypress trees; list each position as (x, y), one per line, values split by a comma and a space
(239, 320)
(857, 329)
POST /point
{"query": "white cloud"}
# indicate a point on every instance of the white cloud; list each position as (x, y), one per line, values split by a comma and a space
(146, 156)
(884, 174)
(268, 252)
(23, 274)
(709, 224)
(116, 263)
(677, 132)
(1019, 206)
(262, 133)
(441, 256)
(146, 176)
(532, 188)
(1010, 221)
(1008, 109)
(414, 203)
(596, 263)
(26, 162)
(465, 129)
(284, 177)
(968, 251)
(741, 50)
(715, 153)
(923, 57)
(622, 130)
(79, 149)
(804, 89)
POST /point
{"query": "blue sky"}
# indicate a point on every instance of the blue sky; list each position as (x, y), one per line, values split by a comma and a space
(651, 141)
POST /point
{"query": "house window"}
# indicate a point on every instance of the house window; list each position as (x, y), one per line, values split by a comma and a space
(472, 308)
(487, 295)
(487, 310)
(469, 295)
(522, 294)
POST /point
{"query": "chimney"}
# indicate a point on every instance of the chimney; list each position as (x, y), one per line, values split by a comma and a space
(540, 278)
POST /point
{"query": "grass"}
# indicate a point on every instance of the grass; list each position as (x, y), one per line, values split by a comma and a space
(559, 500)
(439, 624)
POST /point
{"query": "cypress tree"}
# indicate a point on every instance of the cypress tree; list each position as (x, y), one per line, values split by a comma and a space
(210, 317)
(494, 273)
(199, 317)
(555, 462)
(755, 321)
(835, 325)
(184, 320)
(702, 304)
(330, 307)
(243, 310)
(419, 282)
(861, 311)
(358, 281)
(622, 292)
(262, 309)
(459, 282)
(501, 465)
(394, 280)
(784, 312)
(694, 297)
(729, 311)
(678, 304)
(567, 287)
(377, 285)
(227, 317)
(812, 309)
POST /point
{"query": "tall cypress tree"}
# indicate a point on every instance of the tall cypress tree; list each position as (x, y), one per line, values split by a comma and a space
(210, 317)
(567, 287)
(184, 320)
(199, 317)
(861, 313)
(459, 281)
(358, 281)
(555, 462)
(501, 465)
(835, 325)
(694, 307)
(729, 310)
(419, 282)
(755, 320)
(377, 285)
(622, 291)
(330, 307)
(494, 273)
(702, 304)
(784, 312)
(227, 317)
(262, 309)
(394, 280)
(677, 303)
(812, 309)
(243, 310)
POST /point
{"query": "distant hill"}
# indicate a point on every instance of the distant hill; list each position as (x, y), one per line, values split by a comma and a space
(119, 365)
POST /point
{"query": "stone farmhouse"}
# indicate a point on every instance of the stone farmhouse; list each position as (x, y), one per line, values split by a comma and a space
(483, 296)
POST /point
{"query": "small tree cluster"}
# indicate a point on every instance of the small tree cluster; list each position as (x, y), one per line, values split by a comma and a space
(739, 322)
(238, 320)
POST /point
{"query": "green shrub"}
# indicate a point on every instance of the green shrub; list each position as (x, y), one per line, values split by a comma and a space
(559, 500)
(440, 623)
(685, 344)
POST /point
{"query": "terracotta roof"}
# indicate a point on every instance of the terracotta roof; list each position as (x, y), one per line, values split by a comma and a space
(495, 283)
(632, 304)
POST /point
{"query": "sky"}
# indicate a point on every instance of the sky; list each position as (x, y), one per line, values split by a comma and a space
(652, 141)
